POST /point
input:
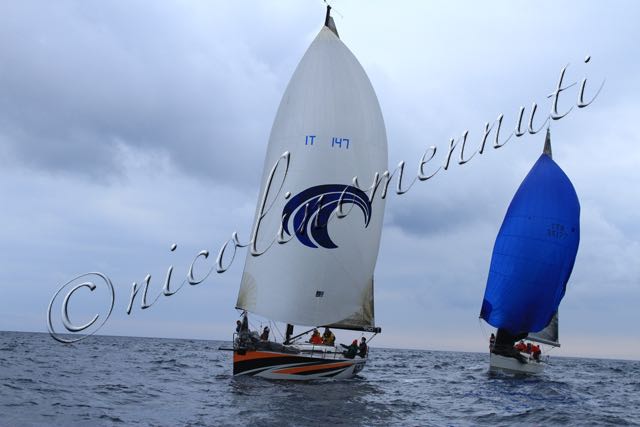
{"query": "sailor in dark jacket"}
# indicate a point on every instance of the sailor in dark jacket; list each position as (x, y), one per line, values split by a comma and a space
(351, 350)
(362, 350)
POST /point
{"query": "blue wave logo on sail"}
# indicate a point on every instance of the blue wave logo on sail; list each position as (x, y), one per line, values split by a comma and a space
(312, 208)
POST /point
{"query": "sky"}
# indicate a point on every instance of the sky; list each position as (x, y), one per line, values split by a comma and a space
(126, 127)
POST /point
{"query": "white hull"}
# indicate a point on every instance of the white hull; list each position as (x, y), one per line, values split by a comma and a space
(510, 364)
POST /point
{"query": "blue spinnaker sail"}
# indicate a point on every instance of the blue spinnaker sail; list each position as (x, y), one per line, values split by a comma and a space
(534, 252)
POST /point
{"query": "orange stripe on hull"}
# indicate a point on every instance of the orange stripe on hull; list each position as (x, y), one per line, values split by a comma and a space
(297, 370)
(254, 355)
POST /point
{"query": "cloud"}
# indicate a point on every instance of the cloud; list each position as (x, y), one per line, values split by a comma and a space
(86, 78)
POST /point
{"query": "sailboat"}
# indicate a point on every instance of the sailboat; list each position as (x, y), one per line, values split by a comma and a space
(330, 123)
(532, 261)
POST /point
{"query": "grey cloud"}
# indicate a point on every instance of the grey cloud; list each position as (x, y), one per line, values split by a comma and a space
(157, 78)
(425, 215)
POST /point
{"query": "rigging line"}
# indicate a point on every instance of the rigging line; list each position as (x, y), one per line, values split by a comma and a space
(275, 326)
(294, 338)
(252, 326)
(482, 329)
(370, 339)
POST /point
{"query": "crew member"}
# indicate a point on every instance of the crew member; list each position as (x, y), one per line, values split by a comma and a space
(327, 337)
(535, 349)
(315, 337)
(362, 349)
(351, 350)
(265, 334)
(245, 323)
(245, 337)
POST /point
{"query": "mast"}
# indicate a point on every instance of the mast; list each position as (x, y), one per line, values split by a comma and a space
(329, 23)
(547, 145)
(288, 333)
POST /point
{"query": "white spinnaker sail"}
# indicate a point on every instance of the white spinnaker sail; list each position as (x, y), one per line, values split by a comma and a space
(330, 121)
(549, 335)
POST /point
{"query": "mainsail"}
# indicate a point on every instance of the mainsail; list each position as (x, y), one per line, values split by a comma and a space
(534, 252)
(330, 122)
(548, 335)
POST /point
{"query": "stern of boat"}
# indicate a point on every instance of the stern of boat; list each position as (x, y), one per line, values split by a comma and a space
(513, 365)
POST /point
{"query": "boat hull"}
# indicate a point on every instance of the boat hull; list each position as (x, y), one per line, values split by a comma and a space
(512, 365)
(287, 366)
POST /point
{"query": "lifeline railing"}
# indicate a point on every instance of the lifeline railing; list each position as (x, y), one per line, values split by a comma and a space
(316, 349)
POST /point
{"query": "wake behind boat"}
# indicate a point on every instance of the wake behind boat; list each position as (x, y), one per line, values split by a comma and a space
(330, 124)
(532, 261)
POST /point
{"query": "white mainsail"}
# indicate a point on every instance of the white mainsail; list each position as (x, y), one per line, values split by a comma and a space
(549, 335)
(330, 122)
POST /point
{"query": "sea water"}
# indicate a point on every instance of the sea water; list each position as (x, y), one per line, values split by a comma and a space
(168, 382)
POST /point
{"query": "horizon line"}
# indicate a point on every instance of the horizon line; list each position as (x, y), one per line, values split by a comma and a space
(373, 346)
